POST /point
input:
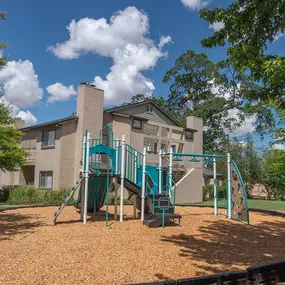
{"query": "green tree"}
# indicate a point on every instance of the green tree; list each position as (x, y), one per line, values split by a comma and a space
(161, 102)
(249, 26)
(248, 159)
(274, 173)
(12, 156)
(214, 92)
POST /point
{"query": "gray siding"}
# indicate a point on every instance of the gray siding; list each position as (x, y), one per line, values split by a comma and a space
(155, 116)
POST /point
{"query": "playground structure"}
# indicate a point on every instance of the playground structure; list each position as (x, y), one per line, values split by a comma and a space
(105, 160)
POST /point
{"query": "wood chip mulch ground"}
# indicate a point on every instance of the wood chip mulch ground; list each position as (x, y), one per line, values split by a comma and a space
(34, 251)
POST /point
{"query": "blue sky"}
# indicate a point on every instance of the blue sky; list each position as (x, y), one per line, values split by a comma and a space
(33, 26)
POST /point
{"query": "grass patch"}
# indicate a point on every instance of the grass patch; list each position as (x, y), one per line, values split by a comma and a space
(252, 204)
(31, 196)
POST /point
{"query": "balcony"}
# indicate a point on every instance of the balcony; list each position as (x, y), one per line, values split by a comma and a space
(31, 159)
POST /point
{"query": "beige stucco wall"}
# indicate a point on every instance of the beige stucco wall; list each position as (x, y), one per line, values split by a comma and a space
(190, 187)
(67, 159)
(58, 159)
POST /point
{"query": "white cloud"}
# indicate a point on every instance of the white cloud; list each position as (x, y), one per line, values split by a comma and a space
(60, 92)
(163, 41)
(28, 117)
(15, 112)
(1, 53)
(195, 4)
(279, 146)
(217, 26)
(278, 36)
(20, 83)
(247, 126)
(21, 89)
(124, 39)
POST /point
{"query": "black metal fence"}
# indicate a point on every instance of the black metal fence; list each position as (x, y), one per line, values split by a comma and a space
(271, 273)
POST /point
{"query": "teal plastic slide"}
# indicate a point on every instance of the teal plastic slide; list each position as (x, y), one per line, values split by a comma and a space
(97, 189)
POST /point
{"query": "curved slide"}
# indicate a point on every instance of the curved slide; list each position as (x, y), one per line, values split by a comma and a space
(97, 190)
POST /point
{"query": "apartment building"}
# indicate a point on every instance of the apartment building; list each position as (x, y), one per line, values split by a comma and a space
(56, 147)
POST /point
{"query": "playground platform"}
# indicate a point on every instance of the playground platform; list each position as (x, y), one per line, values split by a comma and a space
(129, 252)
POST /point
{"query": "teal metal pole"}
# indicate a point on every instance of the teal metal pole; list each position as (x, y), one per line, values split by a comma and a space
(163, 214)
(195, 155)
(160, 172)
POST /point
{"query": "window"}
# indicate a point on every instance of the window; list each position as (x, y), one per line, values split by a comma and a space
(136, 124)
(149, 108)
(173, 148)
(155, 147)
(163, 146)
(46, 178)
(189, 135)
(48, 139)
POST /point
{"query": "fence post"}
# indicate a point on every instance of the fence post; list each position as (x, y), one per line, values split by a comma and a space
(86, 174)
(215, 187)
(170, 170)
(122, 178)
(160, 172)
(143, 183)
(229, 186)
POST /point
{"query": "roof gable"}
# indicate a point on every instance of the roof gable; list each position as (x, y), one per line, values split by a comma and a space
(135, 108)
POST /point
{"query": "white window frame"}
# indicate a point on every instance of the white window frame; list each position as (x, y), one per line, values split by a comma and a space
(50, 142)
(187, 137)
(135, 127)
(47, 184)
(149, 108)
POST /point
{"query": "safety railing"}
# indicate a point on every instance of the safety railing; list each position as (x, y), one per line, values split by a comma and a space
(150, 188)
(170, 188)
(133, 161)
(97, 160)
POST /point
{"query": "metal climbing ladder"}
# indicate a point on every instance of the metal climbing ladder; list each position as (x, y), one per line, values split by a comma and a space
(67, 198)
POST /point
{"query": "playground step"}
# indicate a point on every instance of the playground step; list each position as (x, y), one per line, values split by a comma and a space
(155, 220)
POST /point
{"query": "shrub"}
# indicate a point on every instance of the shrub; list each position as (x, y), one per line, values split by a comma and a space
(4, 193)
(208, 192)
(21, 195)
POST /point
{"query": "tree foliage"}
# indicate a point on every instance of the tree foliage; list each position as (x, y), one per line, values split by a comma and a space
(249, 26)
(215, 92)
(248, 159)
(274, 173)
(12, 155)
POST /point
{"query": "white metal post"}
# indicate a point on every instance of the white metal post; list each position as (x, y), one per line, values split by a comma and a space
(83, 152)
(170, 170)
(215, 187)
(86, 174)
(122, 178)
(136, 166)
(160, 172)
(229, 186)
(143, 183)
(116, 203)
(117, 156)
